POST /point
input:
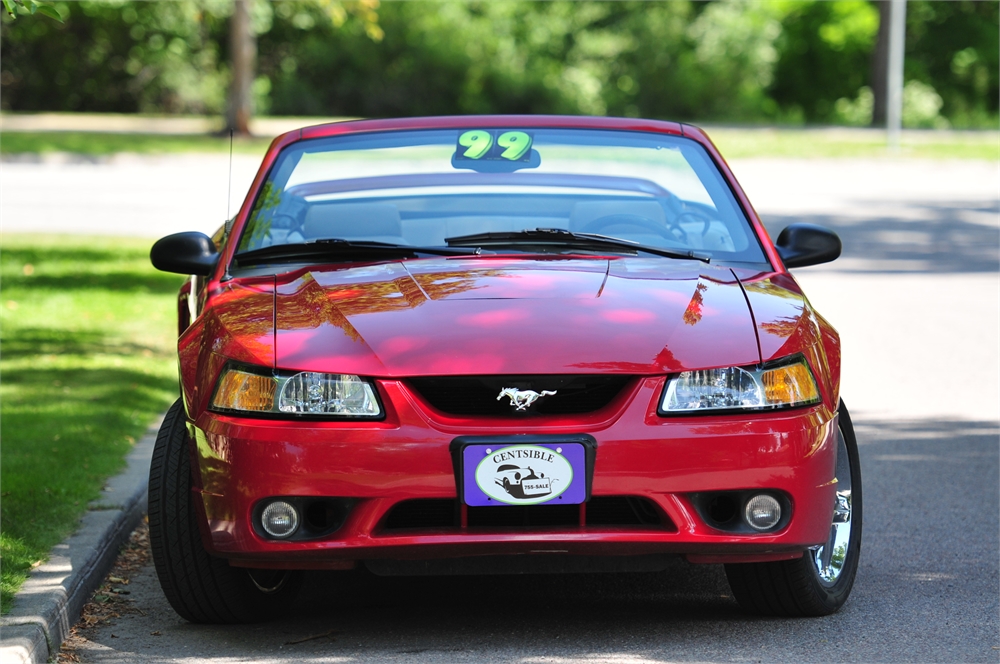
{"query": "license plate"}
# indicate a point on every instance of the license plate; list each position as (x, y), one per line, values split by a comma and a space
(524, 474)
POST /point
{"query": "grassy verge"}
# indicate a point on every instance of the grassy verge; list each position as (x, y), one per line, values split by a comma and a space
(102, 144)
(733, 142)
(87, 363)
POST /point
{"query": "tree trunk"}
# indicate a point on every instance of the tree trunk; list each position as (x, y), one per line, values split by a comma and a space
(243, 51)
(880, 66)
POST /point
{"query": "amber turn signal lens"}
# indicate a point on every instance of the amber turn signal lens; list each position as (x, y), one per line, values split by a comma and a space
(790, 384)
(240, 390)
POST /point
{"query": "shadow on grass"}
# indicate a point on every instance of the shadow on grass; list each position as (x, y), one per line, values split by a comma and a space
(120, 279)
(123, 281)
(64, 432)
(57, 446)
(33, 341)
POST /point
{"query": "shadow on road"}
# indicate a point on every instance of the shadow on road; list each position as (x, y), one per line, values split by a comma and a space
(940, 239)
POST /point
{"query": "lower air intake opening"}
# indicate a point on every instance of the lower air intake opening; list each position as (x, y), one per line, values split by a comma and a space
(600, 512)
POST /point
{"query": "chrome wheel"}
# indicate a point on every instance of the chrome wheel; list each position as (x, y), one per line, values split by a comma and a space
(829, 559)
(818, 583)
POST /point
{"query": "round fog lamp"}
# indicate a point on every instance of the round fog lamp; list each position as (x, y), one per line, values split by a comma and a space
(279, 519)
(763, 512)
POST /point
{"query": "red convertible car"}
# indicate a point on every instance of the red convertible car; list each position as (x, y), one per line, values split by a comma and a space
(403, 311)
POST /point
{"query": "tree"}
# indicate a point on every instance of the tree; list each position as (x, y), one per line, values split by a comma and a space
(243, 43)
(15, 7)
(243, 52)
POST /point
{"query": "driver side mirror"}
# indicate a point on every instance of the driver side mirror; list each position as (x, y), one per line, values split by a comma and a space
(184, 253)
(801, 245)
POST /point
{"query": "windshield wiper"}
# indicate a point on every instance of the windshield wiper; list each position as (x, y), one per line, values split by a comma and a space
(563, 238)
(336, 247)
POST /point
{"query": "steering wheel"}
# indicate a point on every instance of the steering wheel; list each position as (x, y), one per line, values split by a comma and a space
(696, 215)
(673, 232)
(287, 223)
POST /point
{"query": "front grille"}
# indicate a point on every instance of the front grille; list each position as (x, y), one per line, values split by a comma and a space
(524, 516)
(628, 511)
(425, 513)
(477, 395)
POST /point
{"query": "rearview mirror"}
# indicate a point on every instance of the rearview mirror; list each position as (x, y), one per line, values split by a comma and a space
(801, 245)
(184, 253)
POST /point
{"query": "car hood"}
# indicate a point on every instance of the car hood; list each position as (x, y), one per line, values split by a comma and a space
(490, 315)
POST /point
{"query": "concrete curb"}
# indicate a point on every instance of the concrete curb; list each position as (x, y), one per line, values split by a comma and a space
(52, 598)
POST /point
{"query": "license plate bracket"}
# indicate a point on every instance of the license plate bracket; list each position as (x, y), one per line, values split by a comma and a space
(524, 469)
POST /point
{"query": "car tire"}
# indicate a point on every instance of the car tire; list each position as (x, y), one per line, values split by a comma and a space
(201, 588)
(815, 584)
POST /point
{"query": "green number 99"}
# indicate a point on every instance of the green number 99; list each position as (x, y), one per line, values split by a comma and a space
(516, 142)
(479, 142)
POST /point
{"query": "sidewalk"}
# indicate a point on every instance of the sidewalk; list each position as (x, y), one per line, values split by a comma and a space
(50, 601)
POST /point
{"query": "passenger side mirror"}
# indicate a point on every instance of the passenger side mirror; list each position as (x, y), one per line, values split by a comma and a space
(801, 245)
(184, 253)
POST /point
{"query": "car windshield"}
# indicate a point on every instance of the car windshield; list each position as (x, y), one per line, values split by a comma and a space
(429, 188)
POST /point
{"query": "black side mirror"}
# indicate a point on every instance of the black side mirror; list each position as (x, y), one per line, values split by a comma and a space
(184, 253)
(801, 245)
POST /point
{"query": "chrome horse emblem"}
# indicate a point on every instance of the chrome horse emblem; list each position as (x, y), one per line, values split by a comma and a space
(521, 399)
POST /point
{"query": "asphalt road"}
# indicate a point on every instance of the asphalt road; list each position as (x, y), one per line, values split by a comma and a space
(926, 592)
(916, 300)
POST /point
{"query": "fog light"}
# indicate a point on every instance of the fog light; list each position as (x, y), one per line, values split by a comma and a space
(280, 519)
(762, 512)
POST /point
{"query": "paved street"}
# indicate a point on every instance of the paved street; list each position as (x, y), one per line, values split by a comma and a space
(926, 592)
(916, 298)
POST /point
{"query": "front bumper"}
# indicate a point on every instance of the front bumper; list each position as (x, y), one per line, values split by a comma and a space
(377, 465)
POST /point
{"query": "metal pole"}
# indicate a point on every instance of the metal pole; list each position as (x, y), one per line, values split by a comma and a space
(894, 96)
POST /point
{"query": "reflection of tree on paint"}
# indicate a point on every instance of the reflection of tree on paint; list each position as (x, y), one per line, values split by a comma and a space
(693, 312)
(781, 327)
(785, 327)
(664, 359)
(248, 315)
(317, 305)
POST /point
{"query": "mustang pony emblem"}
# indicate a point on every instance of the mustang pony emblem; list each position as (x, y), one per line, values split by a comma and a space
(521, 399)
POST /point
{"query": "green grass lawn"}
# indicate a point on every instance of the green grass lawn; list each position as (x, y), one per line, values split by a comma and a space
(734, 143)
(102, 144)
(87, 361)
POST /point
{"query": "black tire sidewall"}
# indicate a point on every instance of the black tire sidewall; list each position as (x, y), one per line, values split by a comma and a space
(793, 588)
(200, 588)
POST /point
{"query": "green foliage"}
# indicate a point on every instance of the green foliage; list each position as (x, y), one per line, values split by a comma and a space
(824, 55)
(117, 56)
(30, 7)
(87, 363)
(674, 59)
(954, 47)
(855, 112)
(790, 61)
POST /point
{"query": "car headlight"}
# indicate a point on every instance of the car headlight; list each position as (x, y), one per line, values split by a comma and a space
(253, 390)
(783, 385)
